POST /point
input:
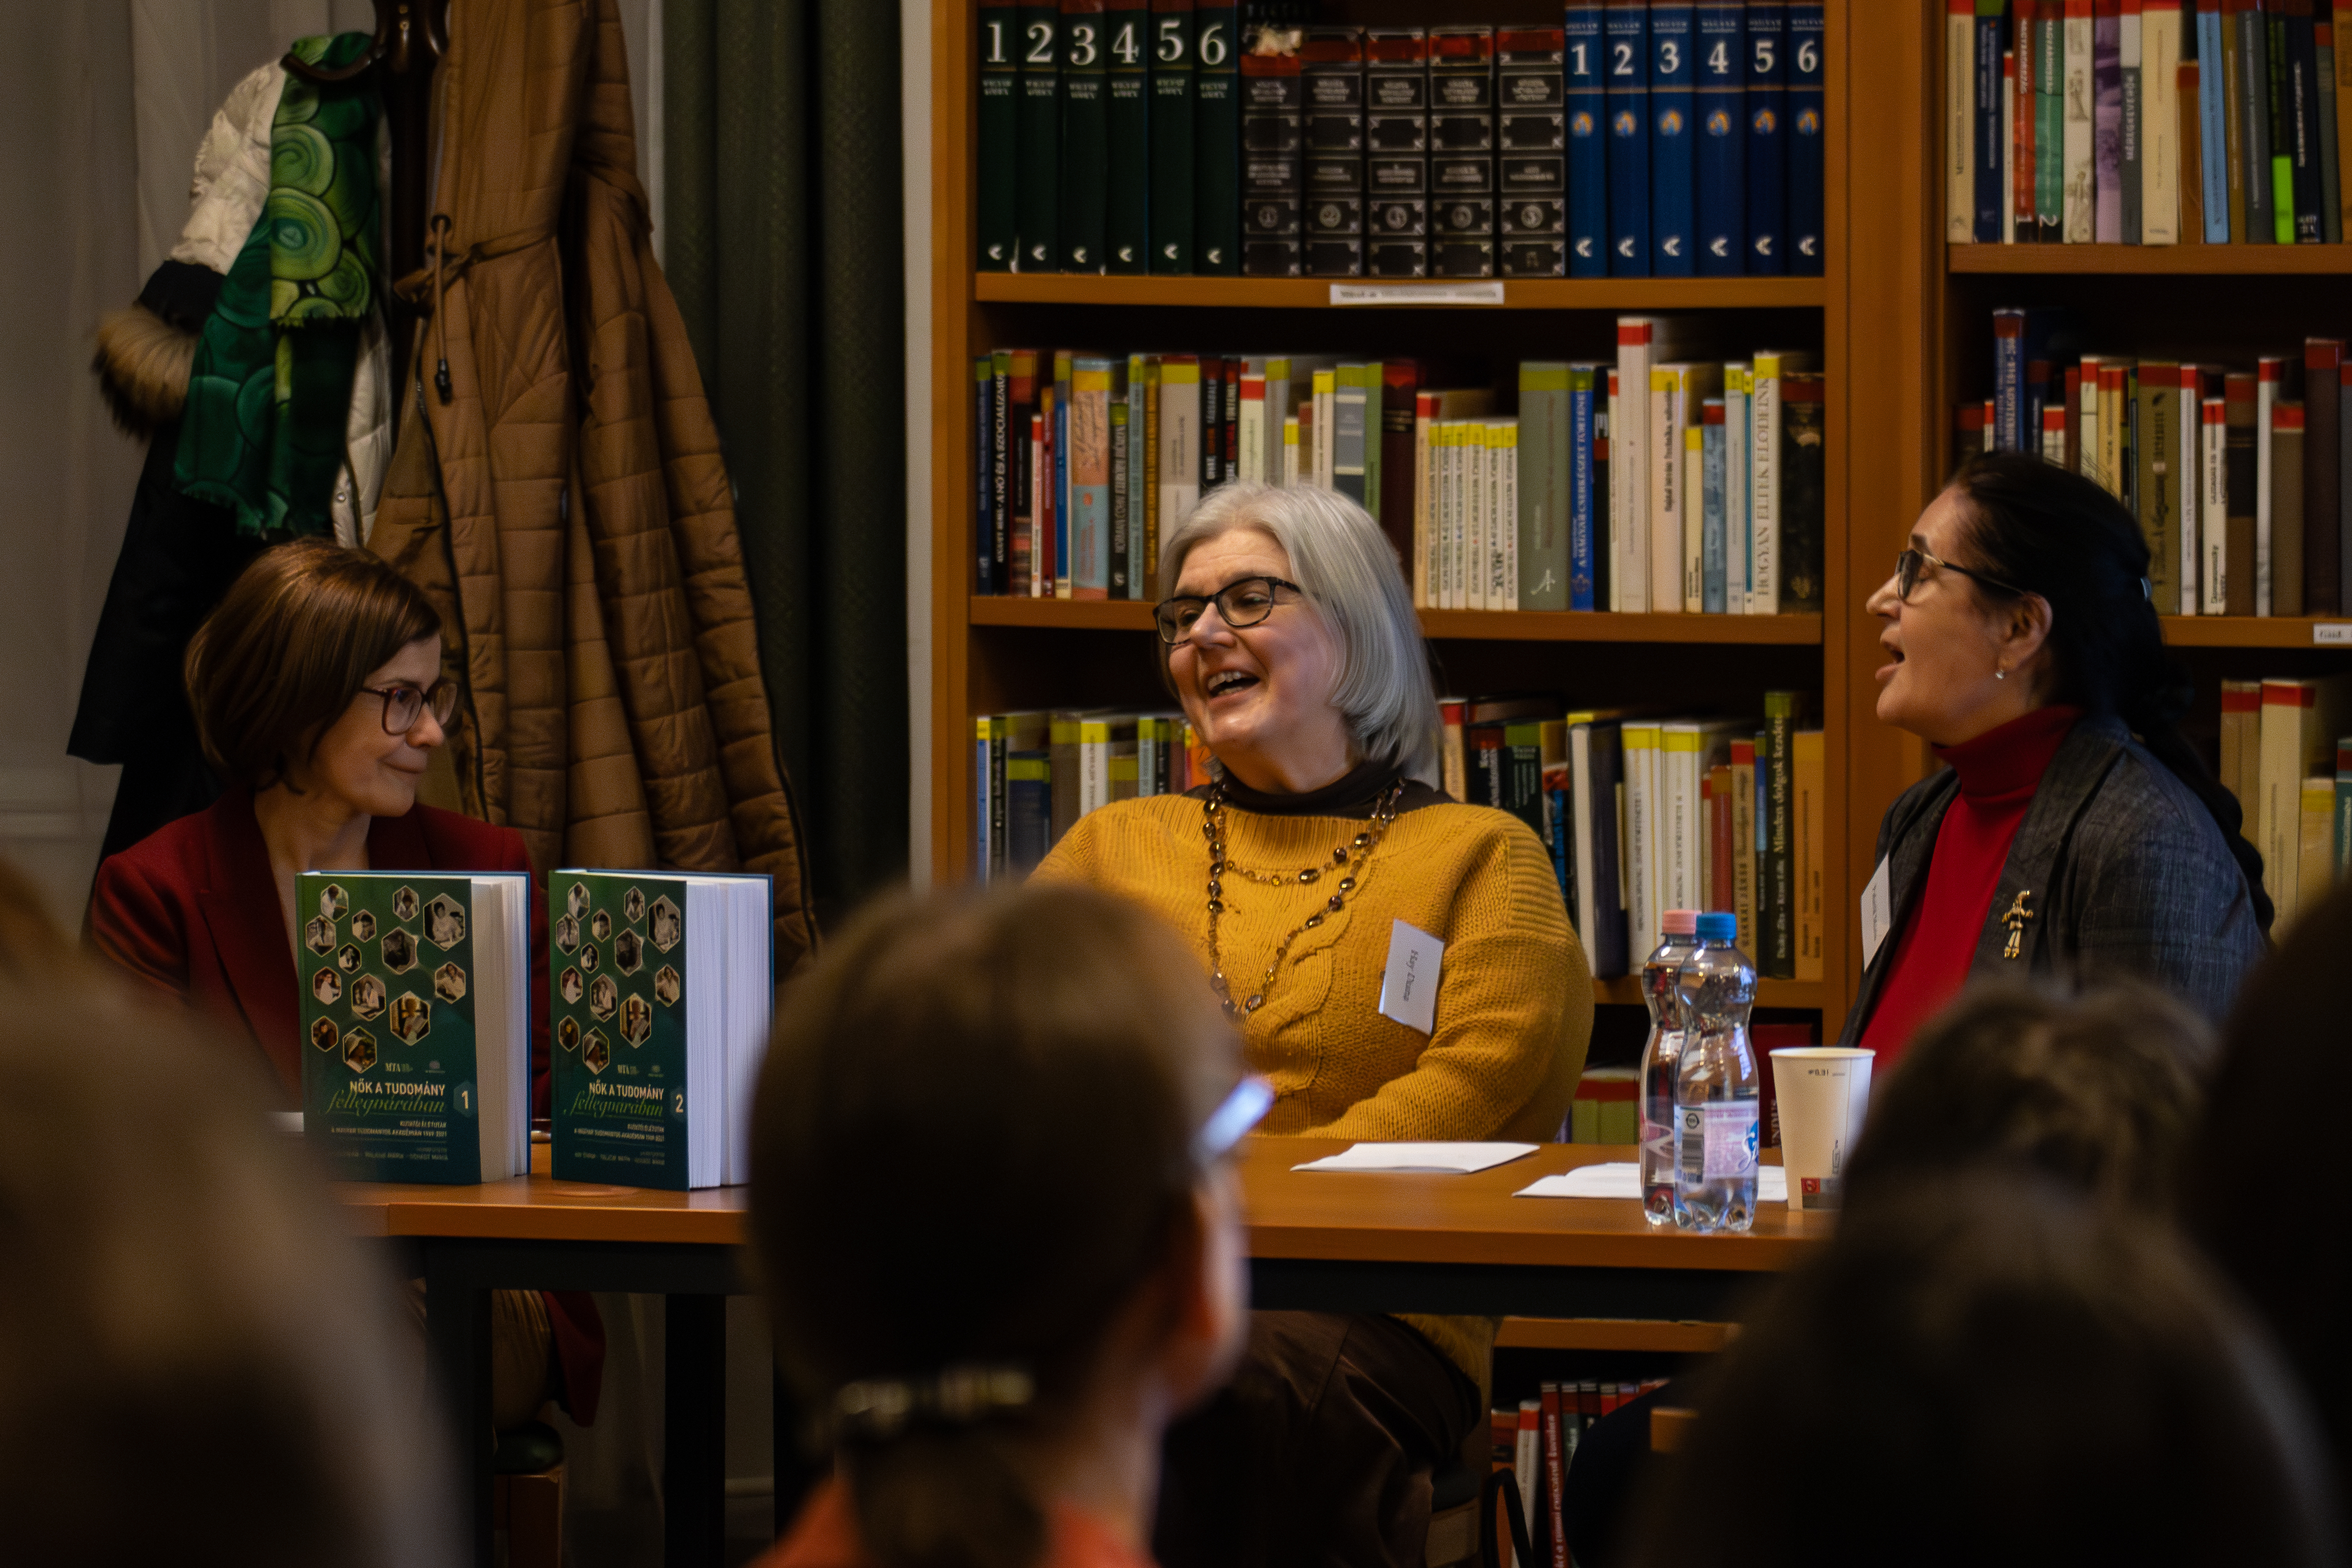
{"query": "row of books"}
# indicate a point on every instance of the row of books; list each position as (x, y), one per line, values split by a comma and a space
(1640, 814)
(418, 1011)
(1537, 1443)
(1645, 814)
(2237, 477)
(1704, 493)
(2286, 755)
(1675, 137)
(2144, 122)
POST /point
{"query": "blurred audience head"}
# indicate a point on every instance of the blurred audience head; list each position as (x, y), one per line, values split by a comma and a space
(2098, 1091)
(196, 1366)
(991, 1204)
(1991, 1369)
(2287, 1057)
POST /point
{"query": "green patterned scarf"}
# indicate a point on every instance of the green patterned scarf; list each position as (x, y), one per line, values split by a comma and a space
(271, 387)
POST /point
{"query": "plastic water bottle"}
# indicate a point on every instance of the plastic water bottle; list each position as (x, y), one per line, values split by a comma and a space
(1716, 1084)
(1661, 977)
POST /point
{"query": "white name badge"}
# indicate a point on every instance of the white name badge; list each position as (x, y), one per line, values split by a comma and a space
(1408, 989)
(1875, 914)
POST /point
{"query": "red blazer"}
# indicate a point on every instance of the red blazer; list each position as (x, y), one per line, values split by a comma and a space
(193, 911)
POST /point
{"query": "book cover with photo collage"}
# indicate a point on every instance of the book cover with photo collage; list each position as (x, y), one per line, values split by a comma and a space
(616, 973)
(390, 1089)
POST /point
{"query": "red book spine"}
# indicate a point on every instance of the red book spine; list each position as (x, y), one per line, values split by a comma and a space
(1554, 1475)
(1399, 397)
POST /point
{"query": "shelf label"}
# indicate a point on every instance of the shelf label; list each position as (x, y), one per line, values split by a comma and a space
(2332, 633)
(1417, 293)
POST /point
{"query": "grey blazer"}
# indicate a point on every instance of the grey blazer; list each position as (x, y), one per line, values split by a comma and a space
(2128, 874)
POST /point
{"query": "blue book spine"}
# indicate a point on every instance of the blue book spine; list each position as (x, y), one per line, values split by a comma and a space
(2009, 381)
(1674, 172)
(1712, 522)
(1580, 543)
(983, 469)
(980, 802)
(1626, 32)
(1991, 151)
(1721, 108)
(2213, 125)
(1587, 147)
(1767, 143)
(1807, 192)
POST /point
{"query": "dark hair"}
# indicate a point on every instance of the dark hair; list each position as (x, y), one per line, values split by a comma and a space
(2097, 1091)
(973, 1141)
(2057, 533)
(1992, 1370)
(177, 1277)
(289, 645)
(2253, 1168)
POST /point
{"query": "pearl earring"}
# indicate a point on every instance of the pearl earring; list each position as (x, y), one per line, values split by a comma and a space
(2000, 674)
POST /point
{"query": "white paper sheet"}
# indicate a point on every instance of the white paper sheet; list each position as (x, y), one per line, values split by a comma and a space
(1429, 1159)
(1624, 1181)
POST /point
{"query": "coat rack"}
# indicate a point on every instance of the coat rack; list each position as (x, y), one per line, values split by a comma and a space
(411, 36)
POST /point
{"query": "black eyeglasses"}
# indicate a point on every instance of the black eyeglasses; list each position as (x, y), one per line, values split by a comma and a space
(1907, 574)
(1243, 602)
(403, 703)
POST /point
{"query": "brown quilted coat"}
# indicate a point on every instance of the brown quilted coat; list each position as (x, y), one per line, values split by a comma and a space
(567, 508)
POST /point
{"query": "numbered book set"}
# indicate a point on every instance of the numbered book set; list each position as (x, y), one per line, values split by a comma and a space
(1668, 138)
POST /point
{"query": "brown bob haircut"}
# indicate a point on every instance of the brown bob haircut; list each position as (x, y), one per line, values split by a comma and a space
(288, 649)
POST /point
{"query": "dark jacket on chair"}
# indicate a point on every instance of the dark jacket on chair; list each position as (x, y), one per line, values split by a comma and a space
(2127, 874)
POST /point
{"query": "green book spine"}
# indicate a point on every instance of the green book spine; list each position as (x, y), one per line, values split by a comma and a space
(2282, 75)
(1000, 92)
(1375, 374)
(2049, 123)
(1122, 552)
(617, 958)
(1127, 142)
(1522, 758)
(1086, 166)
(1037, 141)
(1542, 521)
(1217, 141)
(1776, 911)
(1172, 135)
(392, 1082)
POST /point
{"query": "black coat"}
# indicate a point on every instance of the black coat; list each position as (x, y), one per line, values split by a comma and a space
(2127, 872)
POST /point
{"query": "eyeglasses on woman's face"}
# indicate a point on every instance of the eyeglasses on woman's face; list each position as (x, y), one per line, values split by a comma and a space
(1909, 569)
(1242, 603)
(404, 704)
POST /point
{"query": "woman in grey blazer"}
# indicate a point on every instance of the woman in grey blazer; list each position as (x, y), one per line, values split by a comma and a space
(2075, 831)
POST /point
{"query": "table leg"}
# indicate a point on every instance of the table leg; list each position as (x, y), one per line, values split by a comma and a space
(458, 1334)
(694, 1463)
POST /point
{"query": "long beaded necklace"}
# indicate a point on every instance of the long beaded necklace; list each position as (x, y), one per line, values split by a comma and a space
(1348, 861)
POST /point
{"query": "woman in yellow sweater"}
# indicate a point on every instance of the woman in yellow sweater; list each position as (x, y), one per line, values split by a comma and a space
(1289, 636)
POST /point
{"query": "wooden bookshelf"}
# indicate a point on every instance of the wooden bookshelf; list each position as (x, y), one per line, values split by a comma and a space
(990, 654)
(2258, 631)
(1626, 990)
(2162, 260)
(1613, 1334)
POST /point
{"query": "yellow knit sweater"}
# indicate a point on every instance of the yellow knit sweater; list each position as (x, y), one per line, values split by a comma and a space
(1513, 995)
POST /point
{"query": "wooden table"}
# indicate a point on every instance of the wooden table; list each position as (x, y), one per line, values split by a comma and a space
(1325, 1241)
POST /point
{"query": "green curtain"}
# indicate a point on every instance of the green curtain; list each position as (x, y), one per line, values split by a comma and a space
(782, 179)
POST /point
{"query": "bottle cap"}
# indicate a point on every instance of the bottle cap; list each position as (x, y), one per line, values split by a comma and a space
(1678, 922)
(1718, 925)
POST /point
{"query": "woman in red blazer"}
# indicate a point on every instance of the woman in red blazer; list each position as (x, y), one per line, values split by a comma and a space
(319, 695)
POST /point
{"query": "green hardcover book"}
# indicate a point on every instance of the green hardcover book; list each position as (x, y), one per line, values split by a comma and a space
(1217, 140)
(2050, 122)
(1522, 761)
(999, 90)
(1086, 126)
(1543, 458)
(1375, 378)
(2155, 432)
(1037, 140)
(1172, 135)
(662, 991)
(1776, 910)
(1127, 142)
(416, 1008)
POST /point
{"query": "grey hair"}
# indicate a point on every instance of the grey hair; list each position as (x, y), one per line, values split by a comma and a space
(1348, 572)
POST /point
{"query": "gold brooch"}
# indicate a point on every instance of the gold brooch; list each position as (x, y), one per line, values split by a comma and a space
(2015, 920)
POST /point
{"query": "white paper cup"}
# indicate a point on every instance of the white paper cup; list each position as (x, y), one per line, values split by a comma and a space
(1822, 1092)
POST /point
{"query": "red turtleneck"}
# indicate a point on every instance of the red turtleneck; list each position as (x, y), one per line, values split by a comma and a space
(1999, 771)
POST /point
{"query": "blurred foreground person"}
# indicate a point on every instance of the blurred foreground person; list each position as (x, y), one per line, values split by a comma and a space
(1988, 1368)
(2244, 1192)
(997, 1226)
(196, 1366)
